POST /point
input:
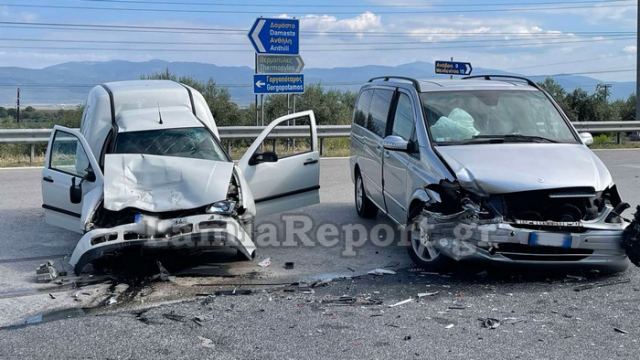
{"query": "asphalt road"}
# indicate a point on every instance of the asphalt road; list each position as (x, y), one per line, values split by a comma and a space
(541, 314)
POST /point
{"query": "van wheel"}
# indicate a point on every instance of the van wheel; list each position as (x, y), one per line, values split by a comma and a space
(422, 249)
(365, 208)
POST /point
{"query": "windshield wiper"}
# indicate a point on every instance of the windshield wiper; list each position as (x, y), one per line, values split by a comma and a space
(515, 137)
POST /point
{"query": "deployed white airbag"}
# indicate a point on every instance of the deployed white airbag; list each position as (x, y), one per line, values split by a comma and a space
(459, 125)
(163, 183)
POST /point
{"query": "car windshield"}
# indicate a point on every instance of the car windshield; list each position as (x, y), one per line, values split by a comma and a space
(196, 143)
(493, 116)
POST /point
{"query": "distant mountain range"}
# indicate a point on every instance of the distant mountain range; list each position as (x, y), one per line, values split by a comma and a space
(76, 78)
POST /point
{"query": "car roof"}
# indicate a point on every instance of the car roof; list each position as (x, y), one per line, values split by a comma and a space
(431, 85)
(149, 119)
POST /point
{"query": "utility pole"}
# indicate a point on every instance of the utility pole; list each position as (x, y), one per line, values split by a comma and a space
(638, 62)
(451, 76)
(18, 106)
(606, 88)
(255, 57)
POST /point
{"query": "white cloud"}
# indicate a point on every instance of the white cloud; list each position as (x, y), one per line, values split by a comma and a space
(364, 22)
(630, 49)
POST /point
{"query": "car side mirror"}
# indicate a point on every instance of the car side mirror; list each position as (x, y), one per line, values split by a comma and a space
(586, 138)
(395, 143)
(75, 191)
(90, 176)
(258, 158)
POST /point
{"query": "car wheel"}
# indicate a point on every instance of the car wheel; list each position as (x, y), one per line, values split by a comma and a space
(422, 249)
(366, 209)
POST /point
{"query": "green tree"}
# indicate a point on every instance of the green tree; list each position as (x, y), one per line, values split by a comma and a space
(583, 106)
(627, 108)
(331, 107)
(224, 110)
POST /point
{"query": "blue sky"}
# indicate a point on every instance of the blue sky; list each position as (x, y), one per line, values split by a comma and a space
(423, 31)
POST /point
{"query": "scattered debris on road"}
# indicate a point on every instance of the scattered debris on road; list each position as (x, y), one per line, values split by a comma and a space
(490, 323)
(111, 301)
(197, 320)
(424, 294)
(206, 342)
(350, 300)
(449, 326)
(233, 292)
(46, 272)
(289, 265)
(320, 283)
(52, 297)
(576, 278)
(163, 274)
(406, 301)
(380, 272)
(174, 317)
(265, 263)
(618, 330)
(601, 284)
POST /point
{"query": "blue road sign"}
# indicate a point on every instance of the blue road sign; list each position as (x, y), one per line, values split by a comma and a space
(276, 36)
(278, 84)
(453, 68)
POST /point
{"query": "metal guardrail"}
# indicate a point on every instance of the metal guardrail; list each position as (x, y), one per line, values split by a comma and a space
(36, 136)
(597, 127)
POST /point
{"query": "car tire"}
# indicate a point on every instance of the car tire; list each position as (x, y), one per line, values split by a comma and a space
(365, 207)
(426, 257)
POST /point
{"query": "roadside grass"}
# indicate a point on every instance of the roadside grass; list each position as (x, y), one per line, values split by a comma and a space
(628, 145)
(20, 161)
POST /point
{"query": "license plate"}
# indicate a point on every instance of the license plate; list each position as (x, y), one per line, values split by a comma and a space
(550, 239)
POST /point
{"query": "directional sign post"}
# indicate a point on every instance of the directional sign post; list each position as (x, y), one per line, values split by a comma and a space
(279, 64)
(276, 36)
(278, 84)
(453, 68)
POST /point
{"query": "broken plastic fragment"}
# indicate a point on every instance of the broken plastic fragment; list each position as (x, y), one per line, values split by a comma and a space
(490, 323)
(206, 343)
(265, 263)
(618, 330)
(449, 326)
(381, 272)
(46, 272)
(401, 302)
(111, 301)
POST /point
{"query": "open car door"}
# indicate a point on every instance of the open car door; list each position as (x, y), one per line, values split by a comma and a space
(282, 165)
(70, 174)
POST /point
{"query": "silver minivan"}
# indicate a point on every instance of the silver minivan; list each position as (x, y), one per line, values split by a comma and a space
(483, 168)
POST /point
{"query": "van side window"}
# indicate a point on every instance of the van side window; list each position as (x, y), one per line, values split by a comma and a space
(362, 108)
(403, 121)
(379, 111)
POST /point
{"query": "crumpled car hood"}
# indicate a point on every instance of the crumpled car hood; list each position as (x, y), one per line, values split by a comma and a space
(508, 168)
(163, 183)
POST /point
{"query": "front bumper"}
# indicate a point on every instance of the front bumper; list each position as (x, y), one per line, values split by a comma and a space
(197, 232)
(594, 244)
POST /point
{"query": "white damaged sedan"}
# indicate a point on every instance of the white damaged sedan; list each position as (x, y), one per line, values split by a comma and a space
(147, 170)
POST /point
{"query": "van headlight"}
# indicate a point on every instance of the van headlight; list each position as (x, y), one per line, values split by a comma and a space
(224, 207)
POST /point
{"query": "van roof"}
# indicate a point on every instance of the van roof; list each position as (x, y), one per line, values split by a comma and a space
(430, 85)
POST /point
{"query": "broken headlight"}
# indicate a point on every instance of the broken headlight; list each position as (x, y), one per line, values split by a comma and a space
(224, 207)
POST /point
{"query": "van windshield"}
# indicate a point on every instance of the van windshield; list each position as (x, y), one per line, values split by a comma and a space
(195, 143)
(493, 116)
